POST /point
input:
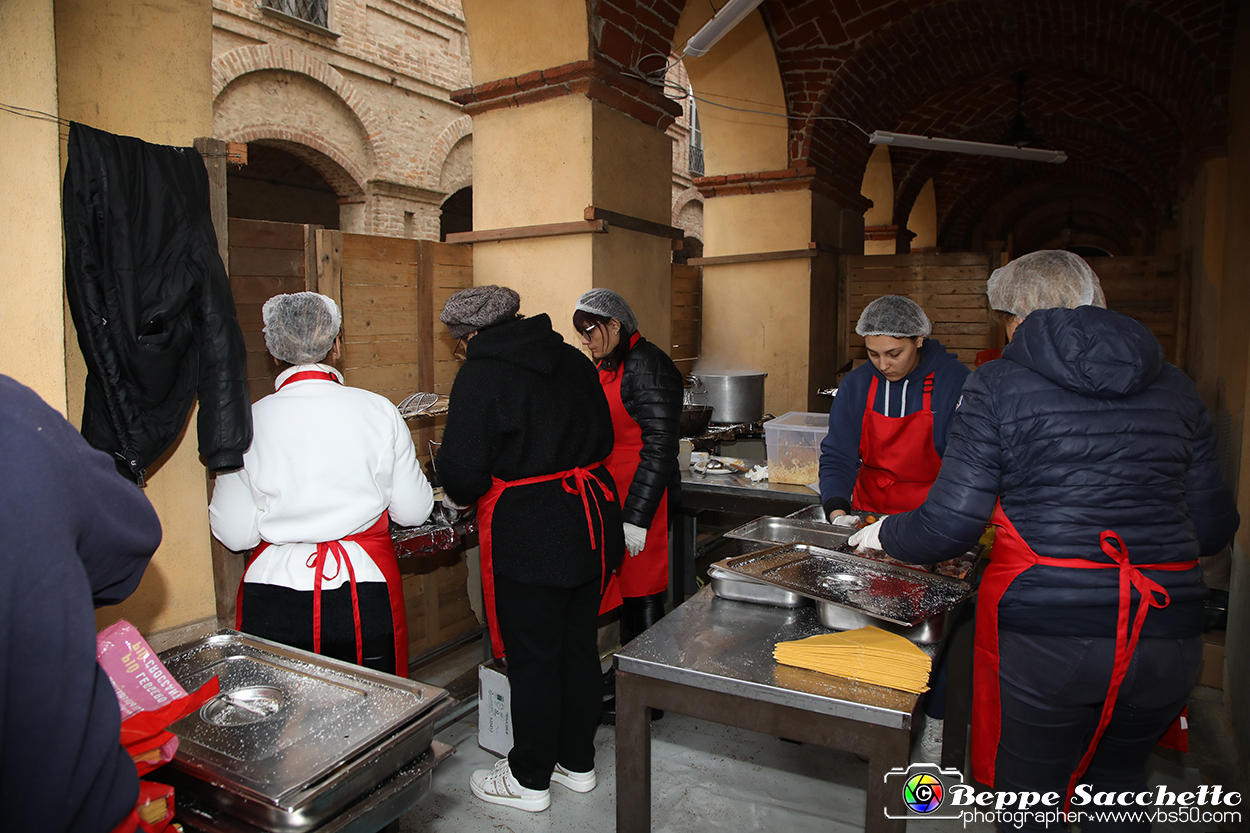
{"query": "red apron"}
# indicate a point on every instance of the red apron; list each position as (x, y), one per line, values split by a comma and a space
(377, 544)
(898, 462)
(582, 480)
(1010, 557)
(646, 573)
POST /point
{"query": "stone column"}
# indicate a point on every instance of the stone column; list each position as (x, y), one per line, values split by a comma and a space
(547, 145)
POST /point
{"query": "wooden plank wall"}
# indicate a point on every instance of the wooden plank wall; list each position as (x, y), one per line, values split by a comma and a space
(392, 290)
(266, 259)
(1155, 291)
(687, 292)
(950, 288)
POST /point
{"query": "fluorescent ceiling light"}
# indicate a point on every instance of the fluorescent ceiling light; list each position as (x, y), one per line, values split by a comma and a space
(729, 16)
(910, 140)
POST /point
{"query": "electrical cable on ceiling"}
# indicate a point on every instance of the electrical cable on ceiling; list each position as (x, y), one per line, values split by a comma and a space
(39, 115)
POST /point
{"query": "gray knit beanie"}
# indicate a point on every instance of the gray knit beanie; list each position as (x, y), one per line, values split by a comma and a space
(609, 304)
(477, 307)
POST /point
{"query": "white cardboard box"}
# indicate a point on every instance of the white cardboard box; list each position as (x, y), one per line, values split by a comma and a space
(494, 709)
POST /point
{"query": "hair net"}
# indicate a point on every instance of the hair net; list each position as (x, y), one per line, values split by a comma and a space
(478, 307)
(1044, 280)
(609, 304)
(893, 315)
(300, 328)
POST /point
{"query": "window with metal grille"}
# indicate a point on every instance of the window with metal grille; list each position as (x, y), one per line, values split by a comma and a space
(696, 138)
(313, 11)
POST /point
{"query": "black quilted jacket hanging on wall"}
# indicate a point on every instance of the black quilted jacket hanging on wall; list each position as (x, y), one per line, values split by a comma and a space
(152, 303)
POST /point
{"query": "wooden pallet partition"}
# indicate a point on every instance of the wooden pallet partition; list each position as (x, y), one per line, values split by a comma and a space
(687, 334)
(1155, 291)
(949, 287)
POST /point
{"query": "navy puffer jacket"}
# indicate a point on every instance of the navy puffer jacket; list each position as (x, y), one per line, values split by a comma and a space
(1080, 427)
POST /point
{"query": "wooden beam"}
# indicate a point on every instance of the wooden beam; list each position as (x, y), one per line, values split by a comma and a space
(755, 257)
(524, 232)
(625, 221)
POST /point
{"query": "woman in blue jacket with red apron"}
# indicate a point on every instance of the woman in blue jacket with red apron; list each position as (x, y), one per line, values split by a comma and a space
(644, 392)
(1096, 461)
(527, 432)
(888, 429)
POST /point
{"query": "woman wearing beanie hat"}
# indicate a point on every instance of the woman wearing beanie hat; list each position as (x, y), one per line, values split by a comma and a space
(1096, 462)
(644, 391)
(331, 464)
(527, 431)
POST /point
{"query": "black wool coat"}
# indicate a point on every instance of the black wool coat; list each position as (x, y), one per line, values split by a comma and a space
(526, 404)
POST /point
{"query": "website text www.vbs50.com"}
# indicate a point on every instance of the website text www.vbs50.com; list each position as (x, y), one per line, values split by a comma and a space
(931, 792)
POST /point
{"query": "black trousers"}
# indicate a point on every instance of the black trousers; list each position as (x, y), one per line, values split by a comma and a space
(284, 615)
(1053, 689)
(550, 637)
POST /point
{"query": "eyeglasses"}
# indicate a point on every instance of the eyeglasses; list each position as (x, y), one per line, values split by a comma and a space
(588, 333)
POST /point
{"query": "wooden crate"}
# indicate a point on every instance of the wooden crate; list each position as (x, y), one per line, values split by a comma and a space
(436, 599)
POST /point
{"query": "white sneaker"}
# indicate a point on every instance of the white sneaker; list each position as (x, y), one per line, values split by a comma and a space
(929, 749)
(578, 782)
(498, 786)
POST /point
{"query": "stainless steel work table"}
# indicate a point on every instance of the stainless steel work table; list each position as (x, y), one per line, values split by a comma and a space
(712, 659)
(731, 493)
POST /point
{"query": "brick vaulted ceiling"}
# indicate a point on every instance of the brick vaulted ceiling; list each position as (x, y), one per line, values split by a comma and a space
(1134, 91)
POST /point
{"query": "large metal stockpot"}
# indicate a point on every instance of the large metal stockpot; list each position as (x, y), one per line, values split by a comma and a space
(735, 396)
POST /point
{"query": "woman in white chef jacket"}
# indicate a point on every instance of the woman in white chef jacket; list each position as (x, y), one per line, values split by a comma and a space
(327, 467)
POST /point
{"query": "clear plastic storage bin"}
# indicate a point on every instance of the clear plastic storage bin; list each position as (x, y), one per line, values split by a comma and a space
(793, 442)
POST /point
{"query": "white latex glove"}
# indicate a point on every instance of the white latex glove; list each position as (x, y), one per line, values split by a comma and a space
(452, 510)
(635, 539)
(844, 520)
(869, 537)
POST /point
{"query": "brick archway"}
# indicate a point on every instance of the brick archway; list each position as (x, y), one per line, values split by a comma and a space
(339, 172)
(237, 63)
(431, 172)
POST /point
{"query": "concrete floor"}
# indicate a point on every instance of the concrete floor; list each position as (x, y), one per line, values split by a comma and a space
(708, 777)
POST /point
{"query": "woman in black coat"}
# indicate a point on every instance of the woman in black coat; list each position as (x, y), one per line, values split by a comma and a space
(1096, 461)
(644, 391)
(527, 432)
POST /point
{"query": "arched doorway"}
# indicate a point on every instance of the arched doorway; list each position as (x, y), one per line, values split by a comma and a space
(279, 186)
(456, 214)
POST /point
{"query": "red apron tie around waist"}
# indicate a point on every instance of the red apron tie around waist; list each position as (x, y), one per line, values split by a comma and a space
(898, 461)
(582, 480)
(377, 543)
(1010, 557)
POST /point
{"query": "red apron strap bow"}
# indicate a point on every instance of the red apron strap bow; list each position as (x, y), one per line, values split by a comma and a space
(317, 561)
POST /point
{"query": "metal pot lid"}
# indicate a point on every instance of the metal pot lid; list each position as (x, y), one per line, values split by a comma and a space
(285, 717)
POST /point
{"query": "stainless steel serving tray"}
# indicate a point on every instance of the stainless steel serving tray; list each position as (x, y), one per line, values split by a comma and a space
(862, 586)
(791, 531)
(293, 737)
(382, 805)
(730, 585)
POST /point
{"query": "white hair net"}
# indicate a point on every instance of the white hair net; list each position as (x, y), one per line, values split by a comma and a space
(893, 315)
(300, 328)
(609, 304)
(1049, 279)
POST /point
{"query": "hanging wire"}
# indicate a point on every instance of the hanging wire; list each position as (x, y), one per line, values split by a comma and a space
(39, 115)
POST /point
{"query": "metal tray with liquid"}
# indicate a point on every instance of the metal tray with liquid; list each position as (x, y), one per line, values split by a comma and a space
(294, 737)
(852, 592)
(730, 585)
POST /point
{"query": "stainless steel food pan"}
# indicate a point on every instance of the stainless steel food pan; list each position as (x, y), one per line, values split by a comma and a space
(293, 737)
(840, 618)
(791, 531)
(882, 591)
(382, 805)
(814, 513)
(729, 585)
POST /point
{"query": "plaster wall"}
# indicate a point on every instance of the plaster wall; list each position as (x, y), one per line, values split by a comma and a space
(739, 72)
(511, 38)
(922, 221)
(32, 323)
(142, 70)
(878, 186)
(756, 315)
(545, 163)
(1234, 296)
(1201, 231)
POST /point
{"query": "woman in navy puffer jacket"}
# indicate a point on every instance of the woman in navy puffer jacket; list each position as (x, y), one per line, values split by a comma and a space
(1081, 430)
